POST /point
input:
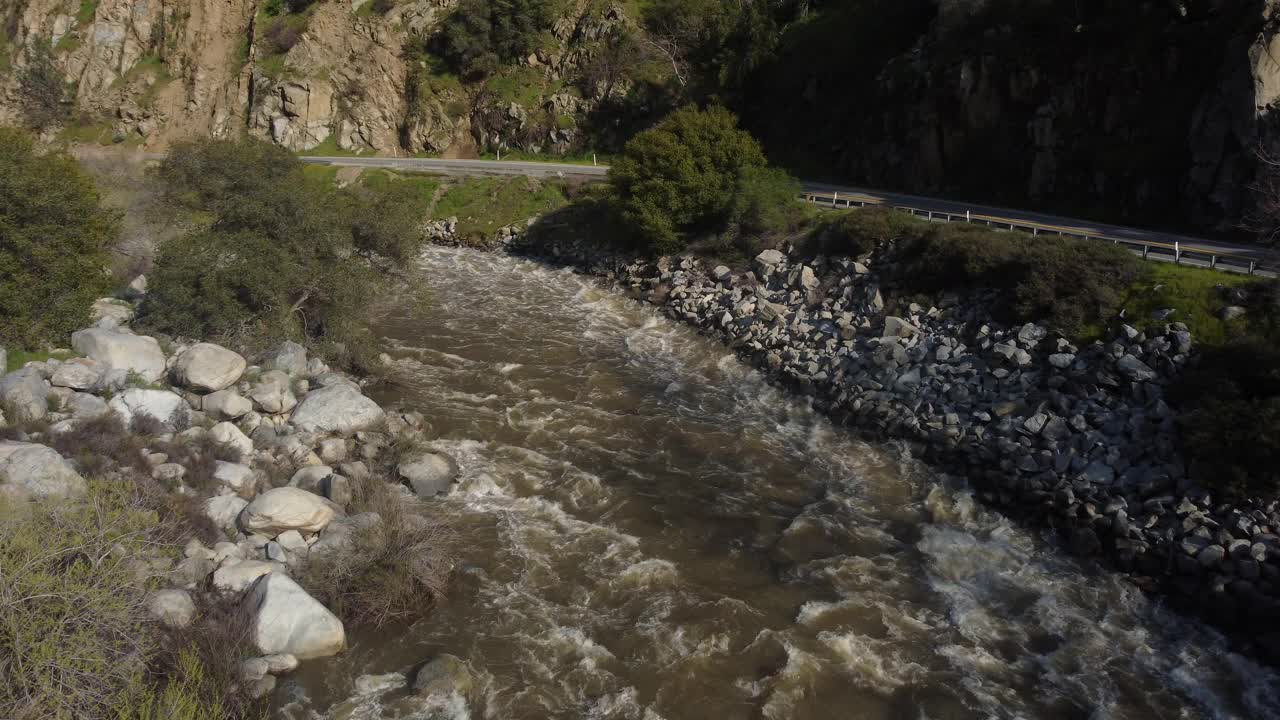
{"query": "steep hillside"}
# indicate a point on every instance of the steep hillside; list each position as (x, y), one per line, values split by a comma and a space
(1140, 112)
(1137, 111)
(355, 75)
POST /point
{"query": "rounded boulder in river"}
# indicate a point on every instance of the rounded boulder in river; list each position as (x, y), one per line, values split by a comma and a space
(650, 531)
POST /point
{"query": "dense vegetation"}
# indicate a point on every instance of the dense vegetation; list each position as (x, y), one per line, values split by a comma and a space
(54, 241)
(280, 254)
(75, 638)
(479, 36)
(696, 173)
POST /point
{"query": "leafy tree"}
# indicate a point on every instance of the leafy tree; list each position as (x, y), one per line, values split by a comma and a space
(280, 253)
(765, 202)
(46, 100)
(54, 244)
(480, 35)
(682, 176)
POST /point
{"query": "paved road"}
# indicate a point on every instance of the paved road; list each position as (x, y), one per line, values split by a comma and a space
(1160, 245)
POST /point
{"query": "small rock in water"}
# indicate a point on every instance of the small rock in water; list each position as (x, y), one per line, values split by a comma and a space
(444, 674)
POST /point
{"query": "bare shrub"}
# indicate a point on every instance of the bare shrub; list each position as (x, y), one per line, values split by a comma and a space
(395, 570)
(281, 36)
(98, 444)
(199, 667)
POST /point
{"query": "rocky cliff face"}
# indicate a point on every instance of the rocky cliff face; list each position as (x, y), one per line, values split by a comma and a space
(152, 71)
(1146, 112)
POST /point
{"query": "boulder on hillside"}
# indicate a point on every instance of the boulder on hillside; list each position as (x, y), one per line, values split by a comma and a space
(24, 396)
(168, 408)
(121, 351)
(286, 508)
(78, 374)
(172, 607)
(224, 509)
(110, 313)
(288, 620)
(84, 406)
(338, 408)
(38, 471)
(289, 358)
(225, 433)
(225, 404)
(206, 367)
(429, 473)
(273, 393)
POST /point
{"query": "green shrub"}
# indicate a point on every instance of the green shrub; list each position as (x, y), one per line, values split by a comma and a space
(858, 232)
(281, 254)
(681, 177)
(1065, 283)
(481, 35)
(764, 202)
(54, 243)
(1230, 417)
(72, 618)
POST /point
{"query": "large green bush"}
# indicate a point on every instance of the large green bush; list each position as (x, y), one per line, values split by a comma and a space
(54, 244)
(1066, 283)
(76, 640)
(695, 172)
(280, 254)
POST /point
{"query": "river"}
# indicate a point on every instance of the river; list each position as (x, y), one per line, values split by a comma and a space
(648, 530)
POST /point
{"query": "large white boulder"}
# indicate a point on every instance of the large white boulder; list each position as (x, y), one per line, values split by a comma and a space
(84, 406)
(224, 509)
(225, 433)
(337, 408)
(239, 478)
(78, 374)
(121, 351)
(39, 471)
(206, 367)
(288, 620)
(114, 312)
(290, 358)
(24, 395)
(273, 393)
(286, 508)
(167, 407)
(225, 404)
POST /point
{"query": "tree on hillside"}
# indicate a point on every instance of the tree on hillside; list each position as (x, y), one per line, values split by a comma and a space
(480, 35)
(46, 99)
(54, 243)
(695, 172)
(281, 253)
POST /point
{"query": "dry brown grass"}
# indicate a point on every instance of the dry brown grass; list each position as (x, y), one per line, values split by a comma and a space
(395, 570)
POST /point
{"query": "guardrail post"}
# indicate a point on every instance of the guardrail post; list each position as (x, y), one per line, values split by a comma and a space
(835, 197)
(1035, 231)
(1213, 262)
(1253, 265)
(1177, 253)
(1146, 250)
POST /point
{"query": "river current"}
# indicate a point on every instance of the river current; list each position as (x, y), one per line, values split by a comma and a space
(648, 530)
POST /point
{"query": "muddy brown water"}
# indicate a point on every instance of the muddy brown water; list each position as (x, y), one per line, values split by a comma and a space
(650, 531)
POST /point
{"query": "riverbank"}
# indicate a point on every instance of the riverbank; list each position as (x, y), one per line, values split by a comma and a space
(1077, 439)
(253, 511)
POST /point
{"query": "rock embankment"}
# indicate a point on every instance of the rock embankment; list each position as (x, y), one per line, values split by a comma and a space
(292, 439)
(1076, 438)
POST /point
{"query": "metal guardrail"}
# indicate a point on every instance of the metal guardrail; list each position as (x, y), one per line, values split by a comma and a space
(1149, 250)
